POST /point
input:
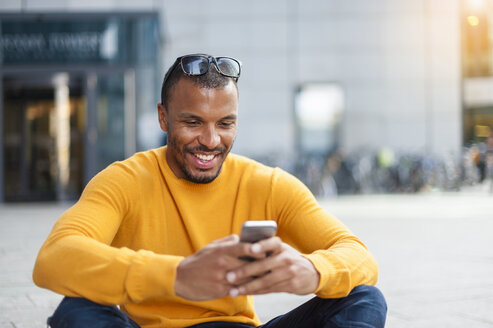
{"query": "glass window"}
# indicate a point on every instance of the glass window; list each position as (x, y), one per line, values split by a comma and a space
(318, 109)
(110, 120)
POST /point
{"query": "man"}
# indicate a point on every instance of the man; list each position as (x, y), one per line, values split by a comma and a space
(156, 233)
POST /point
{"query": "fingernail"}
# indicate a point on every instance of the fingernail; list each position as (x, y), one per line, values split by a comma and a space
(256, 248)
(233, 292)
(230, 277)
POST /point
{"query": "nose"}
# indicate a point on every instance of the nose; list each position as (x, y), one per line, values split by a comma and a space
(209, 137)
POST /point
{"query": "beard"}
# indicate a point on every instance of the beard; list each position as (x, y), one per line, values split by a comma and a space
(201, 179)
(185, 169)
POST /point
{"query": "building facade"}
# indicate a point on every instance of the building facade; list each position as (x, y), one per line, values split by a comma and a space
(363, 74)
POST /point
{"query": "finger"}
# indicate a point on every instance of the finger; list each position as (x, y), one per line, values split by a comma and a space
(279, 253)
(239, 282)
(254, 269)
(245, 250)
(293, 286)
(228, 239)
(261, 249)
(298, 277)
(228, 245)
(271, 245)
(232, 250)
(277, 288)
(251, 253)
(240, 289)
(237, 291)
(274, 281)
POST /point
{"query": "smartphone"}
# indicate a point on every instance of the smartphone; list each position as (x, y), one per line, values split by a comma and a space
(254, 231)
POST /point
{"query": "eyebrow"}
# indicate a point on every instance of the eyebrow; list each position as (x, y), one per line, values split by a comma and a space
(190, 115)
(230, 117)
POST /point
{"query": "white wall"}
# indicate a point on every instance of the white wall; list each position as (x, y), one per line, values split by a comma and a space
(398, 62)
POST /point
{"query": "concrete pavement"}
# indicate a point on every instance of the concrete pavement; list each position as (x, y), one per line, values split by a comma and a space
(434, 250)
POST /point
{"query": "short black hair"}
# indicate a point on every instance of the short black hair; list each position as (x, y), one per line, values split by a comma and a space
(210, 80)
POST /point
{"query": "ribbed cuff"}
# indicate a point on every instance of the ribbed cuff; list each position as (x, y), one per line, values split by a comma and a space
(151, 275)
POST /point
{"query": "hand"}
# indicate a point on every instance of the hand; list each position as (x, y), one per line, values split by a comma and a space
(285, 270)
(202, 276)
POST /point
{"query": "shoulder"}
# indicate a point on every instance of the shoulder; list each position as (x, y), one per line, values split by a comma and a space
(258, 172)
(141, 162)
(240, 165)
(130, 171)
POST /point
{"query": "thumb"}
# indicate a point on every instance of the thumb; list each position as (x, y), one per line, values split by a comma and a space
(228, 239)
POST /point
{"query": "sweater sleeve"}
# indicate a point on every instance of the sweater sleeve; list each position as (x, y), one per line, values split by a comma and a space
(342, 260)
(77, 258)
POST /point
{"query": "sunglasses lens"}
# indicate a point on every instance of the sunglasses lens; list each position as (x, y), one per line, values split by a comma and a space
(195, 65)
(199, 64)
(228, 66)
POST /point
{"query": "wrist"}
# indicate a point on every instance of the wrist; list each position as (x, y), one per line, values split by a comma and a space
(315, 276)
(179, 287)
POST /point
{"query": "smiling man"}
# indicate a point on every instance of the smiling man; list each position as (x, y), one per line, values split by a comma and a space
(153, 242)
(201, 129)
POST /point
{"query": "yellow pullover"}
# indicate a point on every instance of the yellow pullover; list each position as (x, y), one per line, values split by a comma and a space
(135, 221)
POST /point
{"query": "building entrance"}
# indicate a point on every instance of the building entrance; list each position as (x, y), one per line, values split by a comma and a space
(43, 137)
(70, 86)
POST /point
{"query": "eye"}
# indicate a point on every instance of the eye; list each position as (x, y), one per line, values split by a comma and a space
(227, 124)
(192, 122)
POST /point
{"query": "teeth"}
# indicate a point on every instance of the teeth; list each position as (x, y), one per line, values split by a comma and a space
(204, 157)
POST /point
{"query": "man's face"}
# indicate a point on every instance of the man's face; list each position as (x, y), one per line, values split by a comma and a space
(201, 127)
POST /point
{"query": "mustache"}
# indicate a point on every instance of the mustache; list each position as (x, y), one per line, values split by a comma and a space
(205, 149)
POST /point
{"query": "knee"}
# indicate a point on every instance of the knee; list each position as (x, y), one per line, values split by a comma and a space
(370, 294)
(371, 298)
(79, 312)
(70, 312)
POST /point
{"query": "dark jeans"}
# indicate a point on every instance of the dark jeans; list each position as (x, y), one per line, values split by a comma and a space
(364, 307)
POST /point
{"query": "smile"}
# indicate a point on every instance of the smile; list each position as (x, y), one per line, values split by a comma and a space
(204, 158)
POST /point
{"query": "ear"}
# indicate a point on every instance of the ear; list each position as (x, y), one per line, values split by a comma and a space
(163, 117)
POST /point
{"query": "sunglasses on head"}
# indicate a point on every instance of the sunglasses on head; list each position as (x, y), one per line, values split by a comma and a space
(198, 64)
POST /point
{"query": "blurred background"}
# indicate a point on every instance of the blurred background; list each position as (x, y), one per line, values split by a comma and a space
(386, 104)
(351, 96)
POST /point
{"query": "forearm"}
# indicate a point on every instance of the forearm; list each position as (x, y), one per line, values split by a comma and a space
(340, 258)
(80, 266)
(343, 266)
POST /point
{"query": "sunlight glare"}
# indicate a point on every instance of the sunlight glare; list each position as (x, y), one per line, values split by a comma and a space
(473, 20)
